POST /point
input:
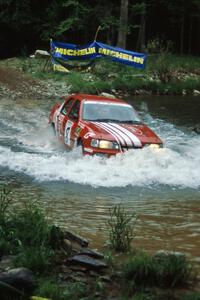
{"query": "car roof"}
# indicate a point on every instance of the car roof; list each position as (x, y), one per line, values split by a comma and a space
(82, 97)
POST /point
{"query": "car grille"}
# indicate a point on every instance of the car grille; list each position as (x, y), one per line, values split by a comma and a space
(129, 147)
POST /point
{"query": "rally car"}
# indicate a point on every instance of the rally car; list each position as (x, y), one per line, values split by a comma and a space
(100, 125)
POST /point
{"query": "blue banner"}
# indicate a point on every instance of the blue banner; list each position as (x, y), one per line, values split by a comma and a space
(94, 50)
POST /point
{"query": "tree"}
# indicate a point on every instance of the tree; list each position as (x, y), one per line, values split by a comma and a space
(123, 24)
(139, 9)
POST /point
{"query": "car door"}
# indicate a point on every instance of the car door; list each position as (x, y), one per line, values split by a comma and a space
(62, 116)
(71, 124)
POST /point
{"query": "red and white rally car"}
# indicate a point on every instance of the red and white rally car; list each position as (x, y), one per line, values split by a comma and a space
(100, 125)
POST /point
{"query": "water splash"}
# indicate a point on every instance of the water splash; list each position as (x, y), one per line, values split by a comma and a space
(27, 146)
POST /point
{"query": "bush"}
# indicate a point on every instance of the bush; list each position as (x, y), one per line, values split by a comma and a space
(172, 270)
(192, 296)
(37, 259)
(121, 228)
(25, 233)
(51, 289)
(141, 270)
(162, 271)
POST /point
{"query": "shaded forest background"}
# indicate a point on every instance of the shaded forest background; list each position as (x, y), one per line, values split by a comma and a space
(137, 25)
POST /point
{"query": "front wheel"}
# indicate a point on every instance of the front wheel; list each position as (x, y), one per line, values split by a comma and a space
(53, 129)
(80, 144)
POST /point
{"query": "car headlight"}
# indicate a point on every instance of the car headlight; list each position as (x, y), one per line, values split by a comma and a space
(154, 146)
(103, 144)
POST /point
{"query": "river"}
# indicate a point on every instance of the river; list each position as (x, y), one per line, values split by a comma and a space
(162, 188)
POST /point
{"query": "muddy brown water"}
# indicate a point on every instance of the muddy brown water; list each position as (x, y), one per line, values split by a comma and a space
(162, 188)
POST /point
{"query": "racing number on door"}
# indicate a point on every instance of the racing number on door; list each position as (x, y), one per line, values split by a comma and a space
(68, 129)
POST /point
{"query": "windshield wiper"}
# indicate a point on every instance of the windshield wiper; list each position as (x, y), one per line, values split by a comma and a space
(131, 122)
(106, 120)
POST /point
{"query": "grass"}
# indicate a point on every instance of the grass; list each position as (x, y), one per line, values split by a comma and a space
(166, 271)
(50, 288)
(121, 228)
(164, 74)
(26, 233)
(192, 296)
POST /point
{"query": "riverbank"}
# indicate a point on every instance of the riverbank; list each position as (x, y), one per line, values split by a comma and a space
(53, 263)
(164, 75)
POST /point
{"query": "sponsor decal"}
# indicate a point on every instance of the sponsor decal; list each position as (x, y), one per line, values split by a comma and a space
(78, 131)
(60, 119)
(133, 129)
(88, 150)
(89, 134)
(66, 52)
(81, 125)
(68, 128)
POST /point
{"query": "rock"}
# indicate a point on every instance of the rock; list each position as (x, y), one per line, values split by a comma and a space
(90, 252)
(196, 92)
(197, 129)
(76, 238)
(87, 261)
(94, 274)
(6, 262)
(107, 95)
(165, 253)
(77, 268)
(105, 278)
(38, 298)
(41, 53)
(21, 279)
(184, 92)
(80, 278)
(112, 75)
(67, 245)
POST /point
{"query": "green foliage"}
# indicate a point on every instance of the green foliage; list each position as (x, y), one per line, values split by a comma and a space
(165, 74)
(42, 20)
(173, 270)
(25, 232)
(5, 233)
(30, 226)
(51, 289)
(121, 228)
(76, 18)
(167, 270)
(109, 258)
(140, 269)
(159, 46)
(192, 296)
(5, 200)
(79, 84)
(37, 259)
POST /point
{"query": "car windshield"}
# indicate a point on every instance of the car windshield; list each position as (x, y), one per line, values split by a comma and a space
(109, 112)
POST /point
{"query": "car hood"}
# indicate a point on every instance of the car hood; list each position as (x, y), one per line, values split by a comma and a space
(127, 135)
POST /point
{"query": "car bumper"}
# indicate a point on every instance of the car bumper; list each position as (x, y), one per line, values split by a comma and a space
(109, 152)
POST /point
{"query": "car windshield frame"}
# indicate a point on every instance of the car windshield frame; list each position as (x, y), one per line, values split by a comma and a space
(108, 114)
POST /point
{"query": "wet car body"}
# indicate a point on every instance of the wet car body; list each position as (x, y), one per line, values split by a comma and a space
(100, 125)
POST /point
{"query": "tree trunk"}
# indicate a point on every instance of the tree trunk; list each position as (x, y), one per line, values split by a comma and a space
(123, 23)
(190, 37)
(141, 35)
(182, 35)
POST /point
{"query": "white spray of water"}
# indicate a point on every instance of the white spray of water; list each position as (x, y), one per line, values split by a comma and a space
(36, 153)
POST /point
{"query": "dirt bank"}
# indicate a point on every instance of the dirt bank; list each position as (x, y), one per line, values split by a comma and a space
(15, 84)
